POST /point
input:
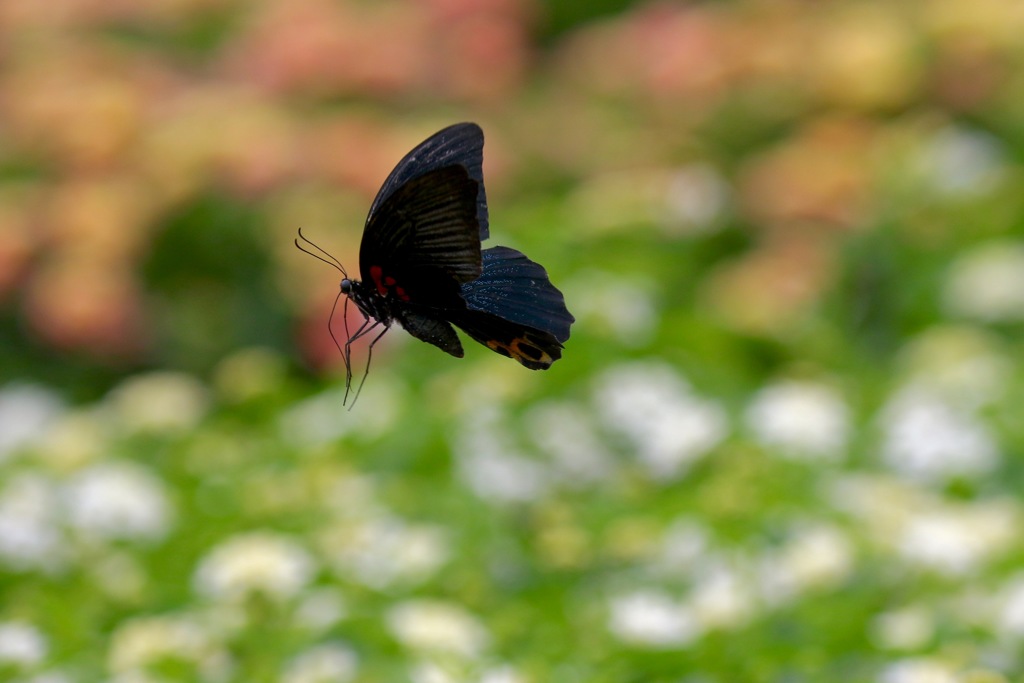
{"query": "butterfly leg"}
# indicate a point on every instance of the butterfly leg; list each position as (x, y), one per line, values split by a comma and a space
(369, 357)
(367, 325)
(344, 353)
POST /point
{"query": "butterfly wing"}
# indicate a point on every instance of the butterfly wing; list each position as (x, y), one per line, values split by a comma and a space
(533, 348)
(515, 288)
(422, 243)
(513, 309)
(462, 145)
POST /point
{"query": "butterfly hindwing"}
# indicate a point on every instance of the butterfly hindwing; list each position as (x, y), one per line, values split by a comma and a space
(516, 289)
(462, 145)
(533, 348)
(423, 242)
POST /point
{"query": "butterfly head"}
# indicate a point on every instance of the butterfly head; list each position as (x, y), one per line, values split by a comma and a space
(346, 286)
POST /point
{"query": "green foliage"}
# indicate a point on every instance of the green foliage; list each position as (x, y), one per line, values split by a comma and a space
(783, 443)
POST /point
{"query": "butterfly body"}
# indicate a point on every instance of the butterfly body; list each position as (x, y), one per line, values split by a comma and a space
(423, 267)
(387, 305)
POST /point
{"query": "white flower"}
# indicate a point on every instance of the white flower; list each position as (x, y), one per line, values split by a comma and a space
(987, 283)
(74, 440)
(565, 431)
(435, 626)
(1010, 618)
(316, 420)
(657, 412)
(141, 642)
(501, 674)
(159, 402)
(918, 670)
(802, 420)
(21, 644)
(963, 162)
(928, 532)
(957, 541)
(29, 534)
(120, 575)
(876, 500)
(332, 662)
(697, 196)
(491, 465)
(684, 544)
(320, 609)
(134, 677)
(324, 418)
(265, 562)
(427, 671)
(612, 305)
(48, 677)
(383, 551)
(904, 629)
(352, 495)
(652, 619)
(26, 414)
(965, 365)
(118, 500)
(503, 477)
(817, 557)
(686, 200)
(722, 599)
(925, 438)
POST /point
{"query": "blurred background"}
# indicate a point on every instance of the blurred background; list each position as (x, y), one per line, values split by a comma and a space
(783, 443)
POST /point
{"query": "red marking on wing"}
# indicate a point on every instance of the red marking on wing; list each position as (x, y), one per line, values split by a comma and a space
(401, 294)
(376, 273)
(388, 280)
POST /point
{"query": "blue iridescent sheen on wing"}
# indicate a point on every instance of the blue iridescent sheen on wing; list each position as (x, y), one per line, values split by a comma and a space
(518, 290)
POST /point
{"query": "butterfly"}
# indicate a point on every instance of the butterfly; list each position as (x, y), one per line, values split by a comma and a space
(422, 264)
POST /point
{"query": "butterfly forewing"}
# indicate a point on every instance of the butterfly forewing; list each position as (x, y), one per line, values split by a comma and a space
(459, 145)
(423, 242)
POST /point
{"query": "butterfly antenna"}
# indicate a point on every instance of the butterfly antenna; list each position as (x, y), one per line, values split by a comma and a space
(369, 357)
(330, 260)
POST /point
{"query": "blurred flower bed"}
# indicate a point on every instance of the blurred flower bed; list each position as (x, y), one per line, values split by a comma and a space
(783, 442)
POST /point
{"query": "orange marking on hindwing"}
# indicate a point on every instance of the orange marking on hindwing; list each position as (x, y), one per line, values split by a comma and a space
(523, 351)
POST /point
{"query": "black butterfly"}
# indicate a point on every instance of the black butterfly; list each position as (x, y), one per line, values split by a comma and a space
(422, 265)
